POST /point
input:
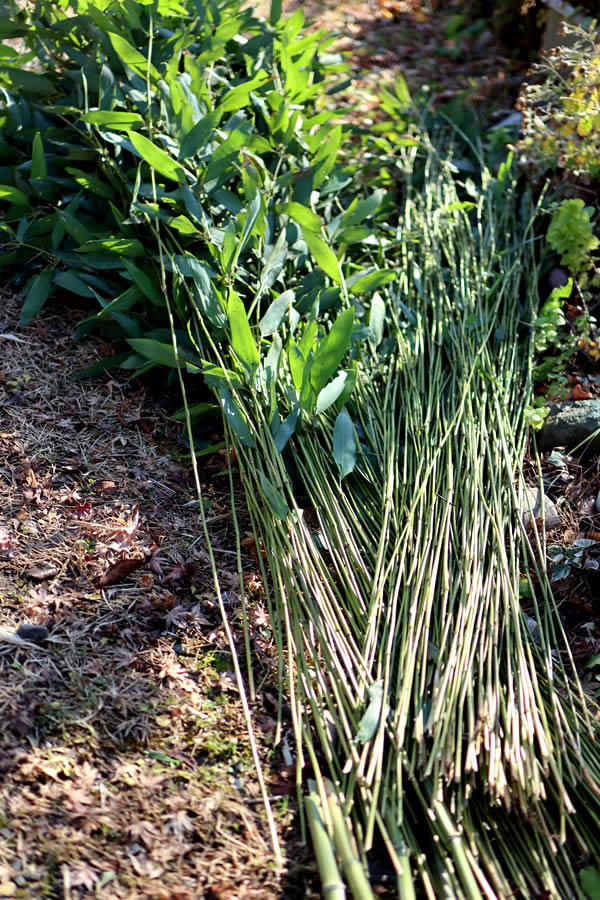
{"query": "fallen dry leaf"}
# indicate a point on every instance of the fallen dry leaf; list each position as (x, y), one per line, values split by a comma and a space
(120, 570)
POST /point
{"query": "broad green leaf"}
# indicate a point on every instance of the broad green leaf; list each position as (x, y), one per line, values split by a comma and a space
(163, 354)
(147, 285)
(296, 363)
(371, 281)
(182, 224)
(196, 410)
(325, 158)
(38, 158)
(332, 350)
(157, 158)
(275, 12)
(73, 226)
(206, 301)
(131, 57)
(304, 216)
(286, 430)
(229, 247)
(194, 208)
(124, 301)
(344, 444)
(307, 341)
(238, 96)
(377, 319)
(362, 209)
(323, 255)
(274, 498)
(198, 137)
(242, 339)
(117, 119)
(13, 195)
(29, 82)
(107, 88)
(274, 264)
(37, 292)
(216, 376)
(331, 392)
(190, 267)
(369, 723)
(103, 365)
(91, 184)
(276, 313)
(72, 282)
(590, 882)
(235, 419)
(248, 225)
(129, 247)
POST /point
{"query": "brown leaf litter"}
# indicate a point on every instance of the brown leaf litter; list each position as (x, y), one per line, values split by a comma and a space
(125, 766)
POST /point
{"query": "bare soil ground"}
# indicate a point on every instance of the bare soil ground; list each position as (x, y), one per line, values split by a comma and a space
(125, 766)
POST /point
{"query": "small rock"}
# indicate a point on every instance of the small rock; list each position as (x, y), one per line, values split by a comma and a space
(43, 572)
(35, 633)
(569, 423)
(532, 500)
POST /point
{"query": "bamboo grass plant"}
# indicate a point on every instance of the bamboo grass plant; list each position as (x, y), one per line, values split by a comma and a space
(415, 684)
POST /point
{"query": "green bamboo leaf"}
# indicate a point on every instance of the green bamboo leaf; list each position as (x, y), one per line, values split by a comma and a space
(190, 267)
(323, 255)
(198, 137)
(38, 158)
(238, 97)
(242, 339)
(276, 313)
(362, 209)
(147, 284)
(235, 419)
(276, 501)
(73, 226)
(344, 444)
(307, 340)
(116, 119)
(286, 430)
(124, 247)
(370, 721)
(274, 264)
(29, 82)
(332, 350)
(229, 247)
(370, 281)
(131, 57)
(296, 363)
(304, 216)
(72, 282)
(13, 195)
(249, 221)
(163, 354)
(37, 292)
(331, 392)
(275, 12)
(90, 183)
(157, 158)
(590, 882)
(217, 376)
(377, 319)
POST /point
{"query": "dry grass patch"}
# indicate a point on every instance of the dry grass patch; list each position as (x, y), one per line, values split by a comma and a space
(124, 759)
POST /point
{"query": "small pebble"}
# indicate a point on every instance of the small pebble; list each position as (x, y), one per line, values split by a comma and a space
(43, 572)
(35, 633)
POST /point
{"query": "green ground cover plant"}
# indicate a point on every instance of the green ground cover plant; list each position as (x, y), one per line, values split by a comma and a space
(177, 166)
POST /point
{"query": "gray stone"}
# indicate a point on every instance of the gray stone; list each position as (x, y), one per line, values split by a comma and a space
(571, 422)
(532, 500)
